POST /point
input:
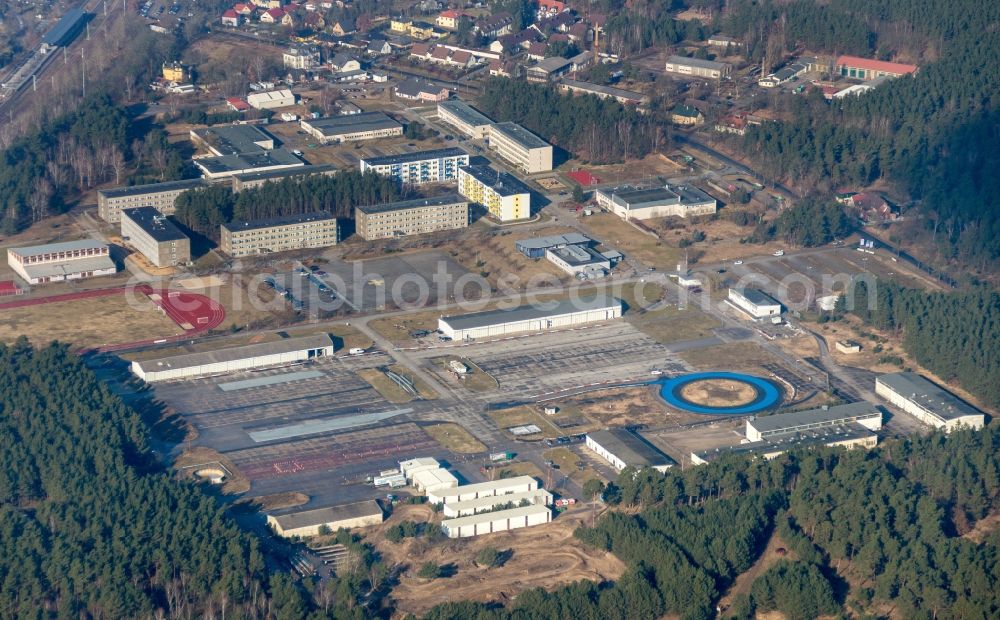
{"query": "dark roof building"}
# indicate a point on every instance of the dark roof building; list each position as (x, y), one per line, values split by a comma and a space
(624, 449)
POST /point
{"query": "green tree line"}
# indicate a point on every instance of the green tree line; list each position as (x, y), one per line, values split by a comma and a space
(587, 126)
(203, 210)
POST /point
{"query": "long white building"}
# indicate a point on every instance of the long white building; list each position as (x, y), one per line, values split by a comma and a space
(310, 522)
(629, 202)
(500, 521)
(234, 359)
(531, 318)
(56, 262)
(624, 449)
(519, 484)
(485, 504)
(755, 303)
(431, 166)
(927, 402)
(765, 427)
(465, 118)
(521, 147)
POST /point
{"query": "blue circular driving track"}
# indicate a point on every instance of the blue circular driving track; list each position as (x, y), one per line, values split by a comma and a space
(767, 394)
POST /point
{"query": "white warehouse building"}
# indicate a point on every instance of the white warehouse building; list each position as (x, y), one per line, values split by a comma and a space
(927, 402)
(427, 480)
(862, 413)
(531, 318)
(485, 504)
(624, 449)
(755, 303)
(518, 484)
(234, 359)
(500, 521)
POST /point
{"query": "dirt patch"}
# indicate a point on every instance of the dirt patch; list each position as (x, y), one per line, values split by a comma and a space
(190, 460)
(522, 416)
(454, 438)
(983, 528)
(621, 235)
(718, 393)
(776, 550)
(569, 464)
(278, 501)
(398, 328)
(545, 556)
(88, 322)
(619, 407)
(730, 356)
(672, 324)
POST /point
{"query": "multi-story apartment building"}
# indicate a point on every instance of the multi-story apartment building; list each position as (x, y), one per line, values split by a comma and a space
(280, 234)
(155, 237)
(503, 195)
(419, 167)
(411, 217)
(465, 118)
(347, 128)
(160, 196)
(256, 179)
(521, 147)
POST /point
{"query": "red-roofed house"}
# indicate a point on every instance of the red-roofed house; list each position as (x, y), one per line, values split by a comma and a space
(231, 18)
(871, 207)
(450, 18)
(550, 7)
(579, 32)
(462, 58)
(245, 9)
(272, 16)
(868, 69)
(420, 51)
(536, 51)
(237, 104)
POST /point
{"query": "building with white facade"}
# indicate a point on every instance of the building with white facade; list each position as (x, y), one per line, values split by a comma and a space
(411, 217)
(628, 202)
(697, 67)
(579, 261)
(531, 318)
(500, 521)
(765, 427)
(419, 167)
(521, 147)
(483, 504)
(465, 118)
(155, 237)
(352, 127)
(518, 484)
(410, 467)
(503, 195)
(427, 480)
(850, 436)
(754, 302)
(271, 99)
(222, 361)
(927, 402)
(56, 262)
(161, 196)
(624, 449)
(279, 234)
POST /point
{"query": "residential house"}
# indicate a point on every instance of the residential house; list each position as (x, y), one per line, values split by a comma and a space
(548, 69)
(231, 18)
(344, 63)
(314, 21)
(451, 18)
(514, 43)
(273, 16)
(343, 27)
(245, 9)
(503, 68)
(237, 104)
(686, 115)
(579, 32)
(269, 4)
(400, 25)
(378, 47)
(301, 57)
(420, 90)
(871, 207)
(582, 61)
(548, 8)
(495, 25)
(536, 51)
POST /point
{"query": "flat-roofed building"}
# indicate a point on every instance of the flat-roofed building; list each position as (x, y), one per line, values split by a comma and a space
(849, 436)
(465, 118)
(306, 523)
(410, 467)
(927, 402)
(485, 504)
(624, 97)
(160, 196)
(155, 237)
(537, 246)
(419, 167)
(280, 234)
(531, 318)
(433, 480)
(232, 139)
(234, 359)
(256, 179)
(629, 202)
(757, 304)
(225, 166)
(579, 261)
(697, 67)
(411, 217)
(624, 449)
(271, 99)
(56, 262)
(499, 521)
(517, 484)
(869, 69)
(502, 194)
(764, 427)
(521, 147)
(548, 69)
(352, 127)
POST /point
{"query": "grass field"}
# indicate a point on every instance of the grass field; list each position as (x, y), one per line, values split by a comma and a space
(612, 230)
(455, 438)
(571, 465)
(88, 322)
(397, 328)
(525, 414)
(735, 356)
(671, 324)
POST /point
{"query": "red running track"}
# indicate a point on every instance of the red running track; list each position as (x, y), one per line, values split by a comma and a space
(190, 311)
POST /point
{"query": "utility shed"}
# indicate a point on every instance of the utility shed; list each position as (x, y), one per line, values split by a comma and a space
(434, 480)
(624, 449)
(309, 522)
(500, 521)
(866, 414)
(927, 402)
(485, 504)
(519, 484)
(234, 359)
